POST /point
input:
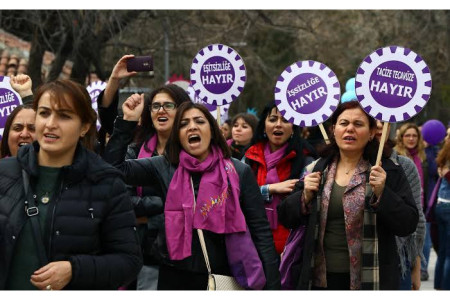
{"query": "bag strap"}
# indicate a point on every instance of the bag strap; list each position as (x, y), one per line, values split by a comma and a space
(205, 253)
(201, 237)
(32, 212)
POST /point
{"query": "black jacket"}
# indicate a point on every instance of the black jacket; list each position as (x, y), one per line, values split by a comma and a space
(159, 170)
(396, 212)
(92, 223)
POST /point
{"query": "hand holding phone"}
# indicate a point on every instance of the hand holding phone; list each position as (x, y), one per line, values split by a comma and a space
(140, 64)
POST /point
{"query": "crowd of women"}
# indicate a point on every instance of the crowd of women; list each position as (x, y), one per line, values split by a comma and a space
(133, 213)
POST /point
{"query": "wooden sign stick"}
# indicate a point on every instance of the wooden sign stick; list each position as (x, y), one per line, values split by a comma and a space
(382, 141)
(324, 133)
(218, 115)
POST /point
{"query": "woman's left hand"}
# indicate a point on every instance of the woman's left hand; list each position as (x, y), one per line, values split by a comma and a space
(53, 276)
(377, 180)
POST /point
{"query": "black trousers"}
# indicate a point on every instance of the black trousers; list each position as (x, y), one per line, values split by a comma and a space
(172, 279)
(336, 282)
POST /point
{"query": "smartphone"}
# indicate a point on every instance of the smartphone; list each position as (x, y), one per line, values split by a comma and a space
(140, 64)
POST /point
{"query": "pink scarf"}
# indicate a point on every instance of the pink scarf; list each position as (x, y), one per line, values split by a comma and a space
(272, 159)
(217, 207)
(151, 145)
(418, 163)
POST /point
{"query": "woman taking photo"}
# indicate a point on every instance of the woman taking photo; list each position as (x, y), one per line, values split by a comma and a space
(352, 197)
(195, 169)
(242, 130)
(277, 157)
(66, 221)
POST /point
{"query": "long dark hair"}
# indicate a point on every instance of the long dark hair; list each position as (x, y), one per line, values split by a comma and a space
(370, 150)
(4, 147)
(259, 136)
(69, 93)
(301, 147)
(146, 129)
(173, 147)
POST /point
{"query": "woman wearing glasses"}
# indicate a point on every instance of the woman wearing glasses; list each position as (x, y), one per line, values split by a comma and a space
(410, 143)
(148, 139)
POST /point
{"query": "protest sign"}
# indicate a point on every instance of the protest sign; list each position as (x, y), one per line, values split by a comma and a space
(218, 75)
(307, 93)
(9, 99)
(393, 84)
(94, 89)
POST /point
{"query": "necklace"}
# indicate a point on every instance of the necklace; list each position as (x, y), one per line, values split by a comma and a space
(45, 198)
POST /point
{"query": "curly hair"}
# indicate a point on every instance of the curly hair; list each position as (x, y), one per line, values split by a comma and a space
(400, 146)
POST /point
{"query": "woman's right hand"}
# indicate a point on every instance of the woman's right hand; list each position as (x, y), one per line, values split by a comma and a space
(311, 185)
(120, 69)
(283, 187)
(132, 107)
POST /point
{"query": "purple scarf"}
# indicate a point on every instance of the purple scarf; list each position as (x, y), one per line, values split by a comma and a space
(217, 207)
(416, 159)
(151, 145)
(272, 160)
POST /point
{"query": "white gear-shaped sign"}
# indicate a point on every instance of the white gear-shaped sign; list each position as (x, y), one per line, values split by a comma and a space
(393, 84)
(211, 108)
(307, 93)
(94, 89)
(218, 74)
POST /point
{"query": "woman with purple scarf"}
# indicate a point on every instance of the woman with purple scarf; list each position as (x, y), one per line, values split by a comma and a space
(147, 139)
(277, 157)
(204, 189)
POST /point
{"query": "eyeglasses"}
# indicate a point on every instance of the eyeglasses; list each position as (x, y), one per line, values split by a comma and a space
(168, 106)
(410, 136)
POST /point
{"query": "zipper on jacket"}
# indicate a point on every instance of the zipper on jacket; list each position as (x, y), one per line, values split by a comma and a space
(52, 223)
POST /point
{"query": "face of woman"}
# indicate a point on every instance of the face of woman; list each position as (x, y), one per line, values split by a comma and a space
(225, 129)
(352, 132)
(162, 112)
(58, 130)
(410, 138)
(242, 132)
(22, 131)
(278, 129)
(195, 133)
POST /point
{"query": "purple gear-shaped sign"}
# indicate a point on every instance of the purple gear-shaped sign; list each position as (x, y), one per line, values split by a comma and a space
(218, 74)
(9, 99)
(307, 93)
(393, 84)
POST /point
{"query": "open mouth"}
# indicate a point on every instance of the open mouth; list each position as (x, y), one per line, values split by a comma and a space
(278, 133)
(349, 138)
(51, 136)
(163, 119)
(23, 144)
(195, 138)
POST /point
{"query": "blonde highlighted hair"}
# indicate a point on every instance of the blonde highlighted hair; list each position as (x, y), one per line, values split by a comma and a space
(400, 146)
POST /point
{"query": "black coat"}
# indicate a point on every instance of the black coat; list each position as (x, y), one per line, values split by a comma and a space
(159, 170)
(397, 214)
(102, 247)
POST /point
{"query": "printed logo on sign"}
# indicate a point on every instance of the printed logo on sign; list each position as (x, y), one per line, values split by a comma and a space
(8, 101)
(306, 93)
(393, 84)
(217, 75)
